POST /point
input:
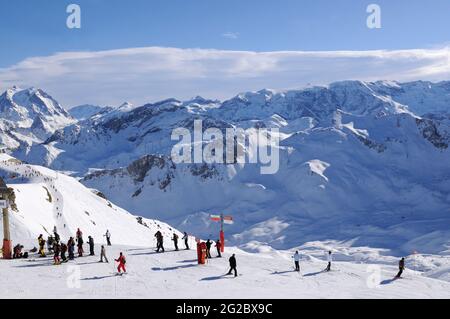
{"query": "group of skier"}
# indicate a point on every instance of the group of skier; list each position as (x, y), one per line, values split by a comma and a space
(160, 241)
(329, 259)
(59, 249)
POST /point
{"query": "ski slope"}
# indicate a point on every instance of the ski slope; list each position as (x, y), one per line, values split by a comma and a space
(46, 199)
(177, 275)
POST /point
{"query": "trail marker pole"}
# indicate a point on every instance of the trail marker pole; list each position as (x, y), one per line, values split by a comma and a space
(4, 198)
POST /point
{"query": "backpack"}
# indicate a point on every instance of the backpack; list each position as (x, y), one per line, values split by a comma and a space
(124, 261)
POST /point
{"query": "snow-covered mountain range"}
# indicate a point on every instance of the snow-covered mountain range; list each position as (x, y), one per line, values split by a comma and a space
(364, 163)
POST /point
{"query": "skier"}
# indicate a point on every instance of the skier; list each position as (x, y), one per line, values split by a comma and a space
(80, 246)
(175, 241)
(401, 267)
(63, 252)
(56, 250)
(159, 241)
(57, 238)
(79, 233)
(329, 259)
(50, 241)
(91, 246)
(17, 251)
(296, 261)
(232, 261)
(108, 237)
(218, 246)
(186, 239)
(121, 260)
(41, 242)
(71, 248)
(103, 254)
(208, 248)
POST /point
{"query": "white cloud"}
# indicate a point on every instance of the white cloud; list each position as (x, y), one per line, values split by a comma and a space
(231, 35)
(142, 75)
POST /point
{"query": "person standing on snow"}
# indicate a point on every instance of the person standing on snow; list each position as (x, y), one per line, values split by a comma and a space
(108, 237)
(103, 254)
(63, 252)
(121, 260)
(401, 267)
(80, 243)
(186, 240)
(233, 265)
(56, 236)
(208, 248)
(71, 248)
(41, 242)
(57, 251)
(218, 246)
(79, 233)
(296, 260)
(159, 241)
(329, 258)
(91, 246)
(175, 241)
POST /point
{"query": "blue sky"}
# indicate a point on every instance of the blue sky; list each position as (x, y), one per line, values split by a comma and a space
(31, 29)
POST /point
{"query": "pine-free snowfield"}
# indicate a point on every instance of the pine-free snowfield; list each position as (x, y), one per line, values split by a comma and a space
(177, 275)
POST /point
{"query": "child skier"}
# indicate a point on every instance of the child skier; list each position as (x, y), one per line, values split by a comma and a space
(121, 260)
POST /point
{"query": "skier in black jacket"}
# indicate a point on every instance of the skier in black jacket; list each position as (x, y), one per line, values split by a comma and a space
(186, 239)
(233, 265)
(71, 248)
(175, 241)
(159, 241)
(401, 267)
(91, 246)
(208, 248)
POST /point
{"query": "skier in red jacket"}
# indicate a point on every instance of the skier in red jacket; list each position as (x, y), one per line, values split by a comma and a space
(121, 260)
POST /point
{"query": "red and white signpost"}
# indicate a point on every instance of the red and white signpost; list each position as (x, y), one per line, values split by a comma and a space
(223, 220)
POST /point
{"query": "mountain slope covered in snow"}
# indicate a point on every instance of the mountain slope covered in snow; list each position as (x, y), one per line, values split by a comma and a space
(361, 162)
(45, 199)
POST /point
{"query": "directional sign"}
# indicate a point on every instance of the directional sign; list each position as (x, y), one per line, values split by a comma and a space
(228, 219)
(216, 218)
